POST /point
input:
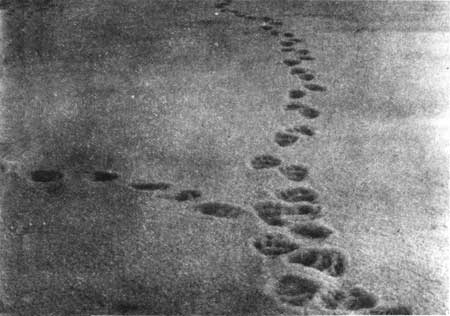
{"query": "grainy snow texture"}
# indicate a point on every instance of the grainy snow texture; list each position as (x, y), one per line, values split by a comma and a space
(224, 157)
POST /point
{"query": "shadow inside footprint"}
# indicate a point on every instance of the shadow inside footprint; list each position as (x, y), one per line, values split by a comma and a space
(298, 194)
(298, 71)
(270, 212)
(286, 43)
(45, 175)
(274, 32)
(265, 161)
(312, 230)
(292, 106)
(266, 27)
(305, 208)
(304, 129)
(306, 76)
(360, 298)
(291, 62)
(314, 87)
(187, 195)
(331, 261)
(303, 51)
(284, 139)
(220, 209)
(296, 94)
(392, 310)
(220, 5)
(297, 40)
(287, 49)
(306, 57)
(309, 112)
(274, 244)
(151, 186)
(332, 299)
(288, 34)
(104, 176)
(296, 290)
(294, 172)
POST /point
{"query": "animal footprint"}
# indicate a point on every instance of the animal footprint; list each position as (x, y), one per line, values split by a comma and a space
(187, 195)
(274, 32)
(297, 194)
(329, 260)
(266, 27)
(296, 94)
(287, 49)
(291, 62)
(306, 76)
(296, 290)
(220, 5)
(265, 161)
(46, 175)
(302, 129)
(292, 106)
(104, 176)
(304, 208)
(284, 139)
(314, 87)
(271, 212)
(360, 298)
(287, 43)
(274, 244)
(298, 71)
(220, 209)
(288, 34)
(303, 52)
(151, 186)
(306, 57)
(294, 172)
(309, 112)
(49, 180)
(312, 230)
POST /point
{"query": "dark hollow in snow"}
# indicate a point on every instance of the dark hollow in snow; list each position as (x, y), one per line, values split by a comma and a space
(103, 176)
(274, 244)
(151, 186)
(329, 260)
(284, 139)
(296, 94)
(291, 62)
(297, 194)
(294, 172)
(312, 230)
(188, 195)
(265, 161)
(46, 175)
(218, 209)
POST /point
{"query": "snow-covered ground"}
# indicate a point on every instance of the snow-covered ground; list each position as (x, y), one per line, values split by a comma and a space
(185, 98)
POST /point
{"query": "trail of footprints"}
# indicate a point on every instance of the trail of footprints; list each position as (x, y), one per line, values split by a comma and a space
(296, 209)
